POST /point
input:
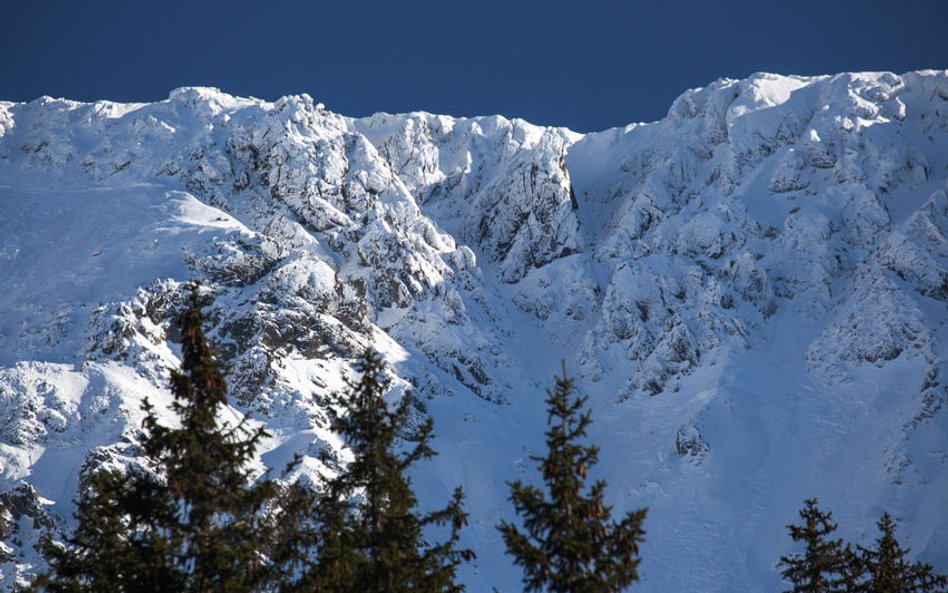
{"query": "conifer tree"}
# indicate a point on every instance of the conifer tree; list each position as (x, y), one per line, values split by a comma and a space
(371, 536)
(887, 570)
(569, 543)
(826, 565)
(194, 523)
(101, 533)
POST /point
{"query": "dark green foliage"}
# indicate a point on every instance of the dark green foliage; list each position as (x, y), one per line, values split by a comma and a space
(295, 537)
(194, 523)
(886, 569)
(826, 565)
(370, 536)
(101, 533)
(569, 543)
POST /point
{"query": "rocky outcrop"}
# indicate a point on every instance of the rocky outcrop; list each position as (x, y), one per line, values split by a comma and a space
(664, 261)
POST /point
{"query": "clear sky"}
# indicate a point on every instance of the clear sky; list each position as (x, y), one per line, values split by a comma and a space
(585, 64)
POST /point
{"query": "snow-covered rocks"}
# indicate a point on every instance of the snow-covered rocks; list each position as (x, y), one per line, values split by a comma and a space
(755, 284)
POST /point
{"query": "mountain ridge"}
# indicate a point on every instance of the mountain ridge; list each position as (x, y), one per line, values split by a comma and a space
(771, 235)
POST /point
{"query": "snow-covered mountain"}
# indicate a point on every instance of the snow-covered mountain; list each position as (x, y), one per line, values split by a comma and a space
(752, 292)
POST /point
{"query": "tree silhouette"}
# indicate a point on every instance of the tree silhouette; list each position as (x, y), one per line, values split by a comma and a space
(192, 523)
(887, 570)
(826, 565)
(370, 535)
(569, 544)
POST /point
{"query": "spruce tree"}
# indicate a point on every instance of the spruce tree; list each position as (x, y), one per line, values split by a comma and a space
(192, 523)
(96, 557)
(569, 543)
(371, 536)
(826, 565)
(886, 568)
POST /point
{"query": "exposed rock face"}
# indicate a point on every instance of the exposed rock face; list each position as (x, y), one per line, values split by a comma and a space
(26, 527)
(755, 284)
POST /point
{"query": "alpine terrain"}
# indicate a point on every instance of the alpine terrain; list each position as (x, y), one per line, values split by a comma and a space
(753, 293)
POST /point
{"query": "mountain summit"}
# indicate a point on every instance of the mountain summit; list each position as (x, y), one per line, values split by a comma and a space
(752, 293)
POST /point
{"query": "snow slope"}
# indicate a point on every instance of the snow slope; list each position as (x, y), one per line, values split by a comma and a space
(752, 291)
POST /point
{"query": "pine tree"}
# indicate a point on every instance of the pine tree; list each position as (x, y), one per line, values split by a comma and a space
(371, 536)
(569, 543)
(101, 534)
(194, 523)
(887, 570)
(826, 566)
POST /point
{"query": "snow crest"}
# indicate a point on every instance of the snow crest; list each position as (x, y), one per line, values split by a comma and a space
(751, 290)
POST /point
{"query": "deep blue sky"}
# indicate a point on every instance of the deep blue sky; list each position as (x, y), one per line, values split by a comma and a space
(588, 64)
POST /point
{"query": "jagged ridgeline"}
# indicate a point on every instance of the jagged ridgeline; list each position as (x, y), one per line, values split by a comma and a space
(752, 293)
